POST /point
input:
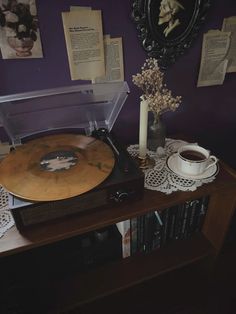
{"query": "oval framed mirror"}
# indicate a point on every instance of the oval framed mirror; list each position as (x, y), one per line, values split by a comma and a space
(167, 28)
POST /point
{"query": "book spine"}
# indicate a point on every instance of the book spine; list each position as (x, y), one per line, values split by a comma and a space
(172, 223)
(158, 224)
(149, 230)
(190, 210)
(184, 221)
(196, 204)
(140, 235)
(164, 218)
(202, 212)
(145, 230)
(134, 235)
(179, 221)
(124, 229)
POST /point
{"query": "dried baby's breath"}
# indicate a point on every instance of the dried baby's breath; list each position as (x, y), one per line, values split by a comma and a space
(150, 81)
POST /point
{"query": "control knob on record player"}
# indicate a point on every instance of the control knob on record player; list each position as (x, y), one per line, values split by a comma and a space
(120, 196)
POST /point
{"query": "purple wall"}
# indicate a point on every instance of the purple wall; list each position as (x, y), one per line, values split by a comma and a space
(208, 113)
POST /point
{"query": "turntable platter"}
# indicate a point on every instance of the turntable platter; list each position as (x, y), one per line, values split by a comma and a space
(56, 167)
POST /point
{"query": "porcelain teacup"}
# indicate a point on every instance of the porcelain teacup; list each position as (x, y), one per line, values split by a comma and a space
(193, 159)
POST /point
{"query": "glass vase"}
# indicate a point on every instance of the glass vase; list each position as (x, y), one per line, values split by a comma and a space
(156, 133)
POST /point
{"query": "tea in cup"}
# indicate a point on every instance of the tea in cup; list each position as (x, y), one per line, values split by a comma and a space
(193, 159)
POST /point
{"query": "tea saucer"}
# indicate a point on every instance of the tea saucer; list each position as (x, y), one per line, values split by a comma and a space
(172, 165)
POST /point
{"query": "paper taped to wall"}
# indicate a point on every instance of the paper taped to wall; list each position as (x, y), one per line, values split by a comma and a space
(114, 66)
(213, 60)
(84, 42)
(218, 54)
(229, 25)
(109, 66)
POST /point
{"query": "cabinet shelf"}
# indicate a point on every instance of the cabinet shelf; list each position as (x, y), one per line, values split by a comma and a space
(81, 288)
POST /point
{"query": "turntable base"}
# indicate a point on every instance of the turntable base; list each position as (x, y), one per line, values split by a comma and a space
(115, 179)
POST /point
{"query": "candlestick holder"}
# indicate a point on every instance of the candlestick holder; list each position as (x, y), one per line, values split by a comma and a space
(145, 162)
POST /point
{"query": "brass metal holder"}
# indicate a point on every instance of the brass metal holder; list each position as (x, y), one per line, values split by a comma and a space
(145, 162)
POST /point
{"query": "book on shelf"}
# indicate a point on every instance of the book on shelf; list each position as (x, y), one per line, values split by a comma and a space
(165, 220)
(156, 239)
(186, 217)
(145, 233)
(150, 225)
(201, 213)
(157, 228)
(140, 234)
(180, 211)
(172, 223)
(124, 229)
(134, 235)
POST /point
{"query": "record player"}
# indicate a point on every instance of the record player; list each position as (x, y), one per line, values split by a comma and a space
(66, 159)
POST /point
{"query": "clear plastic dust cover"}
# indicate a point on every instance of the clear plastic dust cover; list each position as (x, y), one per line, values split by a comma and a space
(85, 107)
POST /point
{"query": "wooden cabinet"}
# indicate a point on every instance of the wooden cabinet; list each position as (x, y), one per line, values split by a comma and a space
(68, 291)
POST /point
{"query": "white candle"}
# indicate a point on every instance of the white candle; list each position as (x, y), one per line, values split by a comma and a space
(143, 122)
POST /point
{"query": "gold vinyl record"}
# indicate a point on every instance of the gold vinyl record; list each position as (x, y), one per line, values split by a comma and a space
(56, 167)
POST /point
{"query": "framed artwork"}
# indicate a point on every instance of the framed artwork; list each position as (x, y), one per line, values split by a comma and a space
(19, 30)
(167, 28)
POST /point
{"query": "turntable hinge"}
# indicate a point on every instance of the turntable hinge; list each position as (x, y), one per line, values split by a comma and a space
(92, 126)
(16, 142)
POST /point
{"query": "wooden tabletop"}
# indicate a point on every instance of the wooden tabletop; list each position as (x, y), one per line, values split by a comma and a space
(14, 241)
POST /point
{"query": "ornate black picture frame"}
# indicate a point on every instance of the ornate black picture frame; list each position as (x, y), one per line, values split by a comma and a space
(167, 28)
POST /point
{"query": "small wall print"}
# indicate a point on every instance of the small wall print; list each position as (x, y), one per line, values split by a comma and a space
(19, 31)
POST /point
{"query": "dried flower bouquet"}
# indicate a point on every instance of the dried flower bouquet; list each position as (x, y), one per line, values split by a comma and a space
(158, 96)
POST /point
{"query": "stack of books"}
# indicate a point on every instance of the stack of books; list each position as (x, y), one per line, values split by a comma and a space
(156, 229)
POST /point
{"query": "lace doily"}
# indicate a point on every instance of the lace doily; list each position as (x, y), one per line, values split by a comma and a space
(160, 177)
(6, 219)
